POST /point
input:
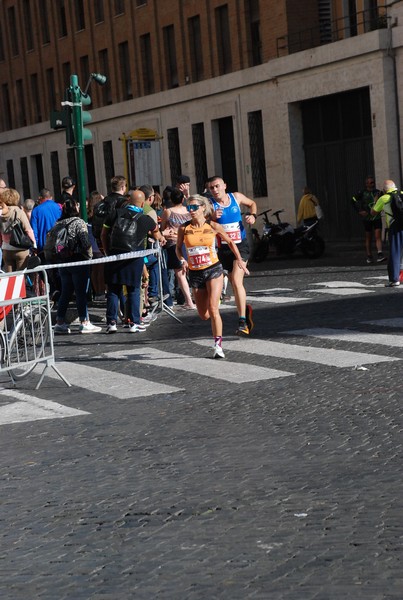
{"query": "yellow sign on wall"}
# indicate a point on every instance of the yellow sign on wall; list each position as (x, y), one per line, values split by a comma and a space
(143, 133)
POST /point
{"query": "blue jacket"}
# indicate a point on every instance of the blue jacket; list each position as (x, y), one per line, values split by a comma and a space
(43, 217)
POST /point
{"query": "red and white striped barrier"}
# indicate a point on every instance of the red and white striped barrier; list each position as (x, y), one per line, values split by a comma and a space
(11, 288)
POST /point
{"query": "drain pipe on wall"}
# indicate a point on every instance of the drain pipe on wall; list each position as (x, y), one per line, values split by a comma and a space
(391, 52)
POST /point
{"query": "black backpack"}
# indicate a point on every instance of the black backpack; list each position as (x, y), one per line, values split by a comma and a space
(60, 245)
(396, 204)
(102, 210)
(124, 231)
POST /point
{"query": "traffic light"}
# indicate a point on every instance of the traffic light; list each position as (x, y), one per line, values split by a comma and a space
(68, 117)
(85, 101)
(62, 119)
(85, 117)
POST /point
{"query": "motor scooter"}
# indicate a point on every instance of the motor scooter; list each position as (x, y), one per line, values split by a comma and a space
(285, 239)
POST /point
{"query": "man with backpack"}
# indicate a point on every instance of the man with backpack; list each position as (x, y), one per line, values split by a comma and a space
(391, 203)
(103, 209)
(125, 231)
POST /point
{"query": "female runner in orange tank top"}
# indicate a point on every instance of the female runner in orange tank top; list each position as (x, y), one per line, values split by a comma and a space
(204, 269)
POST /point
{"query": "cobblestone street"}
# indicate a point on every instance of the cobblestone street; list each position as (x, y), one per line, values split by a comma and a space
(275, 474)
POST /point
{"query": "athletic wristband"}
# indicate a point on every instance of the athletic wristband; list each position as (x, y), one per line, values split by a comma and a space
(251, 215)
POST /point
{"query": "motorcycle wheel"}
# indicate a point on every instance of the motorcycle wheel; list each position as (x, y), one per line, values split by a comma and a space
(261, 251)
(285, 244)
(313, 247)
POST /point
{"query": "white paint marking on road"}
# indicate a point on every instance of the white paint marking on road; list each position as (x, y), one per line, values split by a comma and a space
(276, 299)
(348, 335)
(339, 284)
(378, 277)
(272, 291)
(28, 408)
(323, 356)
(396, 322)
(224, 370)
(223, 306)
(343, 291)
(118, 385)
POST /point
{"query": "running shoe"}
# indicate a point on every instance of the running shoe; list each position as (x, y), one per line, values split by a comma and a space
(381, 257)
(243, 328)
(249, 317)
(137, 328)
(111, 328)
(61, 329)
(148, 318)
(89, 328)
(218, 352)
(392, 284)
(370, 260)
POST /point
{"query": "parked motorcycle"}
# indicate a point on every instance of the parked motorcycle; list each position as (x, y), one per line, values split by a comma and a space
(285, 239)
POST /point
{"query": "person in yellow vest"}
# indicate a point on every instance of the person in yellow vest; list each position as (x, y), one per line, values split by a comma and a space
(307, 208)
(205, 271)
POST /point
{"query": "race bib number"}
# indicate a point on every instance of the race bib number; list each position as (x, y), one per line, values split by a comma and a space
(199, 257)
(233, 230)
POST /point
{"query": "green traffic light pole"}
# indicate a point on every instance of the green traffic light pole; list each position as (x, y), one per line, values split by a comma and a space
(77, 99)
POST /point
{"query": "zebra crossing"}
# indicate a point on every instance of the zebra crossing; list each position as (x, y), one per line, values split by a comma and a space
(330, 288)
(28, 408)
(238, 368)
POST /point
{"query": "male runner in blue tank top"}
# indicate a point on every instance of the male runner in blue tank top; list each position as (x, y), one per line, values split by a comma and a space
(227, 212)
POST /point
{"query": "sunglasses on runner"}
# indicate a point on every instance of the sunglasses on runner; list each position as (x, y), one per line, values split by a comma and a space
(193, 207)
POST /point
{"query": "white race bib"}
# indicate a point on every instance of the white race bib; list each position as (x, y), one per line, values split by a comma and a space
(233, 230)
(199, 257)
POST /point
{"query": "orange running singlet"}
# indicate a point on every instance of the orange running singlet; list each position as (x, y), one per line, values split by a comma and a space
(200, 246)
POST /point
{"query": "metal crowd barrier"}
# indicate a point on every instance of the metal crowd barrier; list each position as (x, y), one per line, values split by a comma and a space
(157, 251)
(26, 335)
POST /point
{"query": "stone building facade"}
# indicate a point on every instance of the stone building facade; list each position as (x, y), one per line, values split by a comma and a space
(270, 94)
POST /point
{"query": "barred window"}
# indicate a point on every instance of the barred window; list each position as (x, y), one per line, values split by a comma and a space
(25, 177)
(109, 163)
(174, 153)
(199, 153)
(257, 154)
(56, 179)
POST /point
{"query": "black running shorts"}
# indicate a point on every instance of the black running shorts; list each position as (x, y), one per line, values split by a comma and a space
(197, 279)
(227, 257)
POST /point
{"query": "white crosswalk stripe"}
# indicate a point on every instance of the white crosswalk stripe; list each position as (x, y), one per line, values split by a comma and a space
(29, 408)
(275, 299)
(331, 288)
(342, 288)
(348, 335)
(323, 356)
(232, 372)
(338, 284)
(344, 291)
(22, 407)
(118, 385)
(272, 296)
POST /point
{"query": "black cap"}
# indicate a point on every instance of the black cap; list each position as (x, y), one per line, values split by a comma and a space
(182, 179)
(67, 182)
